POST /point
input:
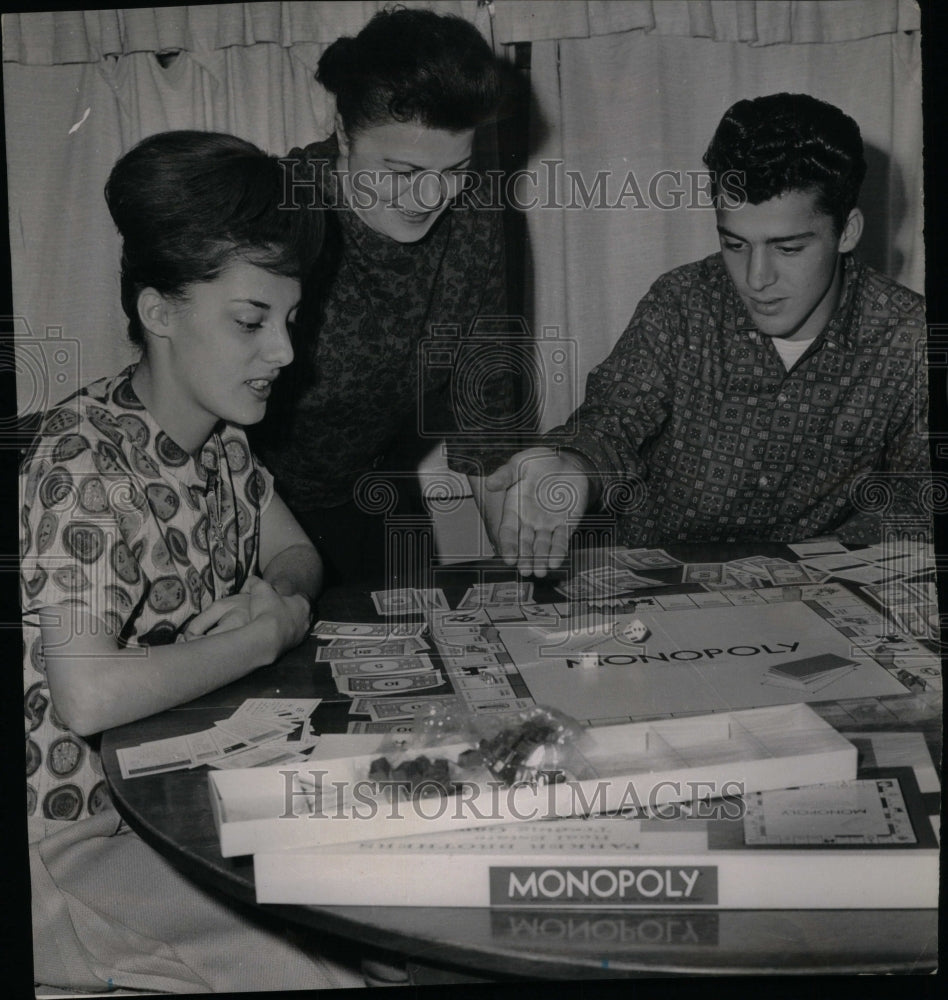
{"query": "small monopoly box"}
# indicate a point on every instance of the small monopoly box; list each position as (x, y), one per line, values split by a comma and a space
(645, 764)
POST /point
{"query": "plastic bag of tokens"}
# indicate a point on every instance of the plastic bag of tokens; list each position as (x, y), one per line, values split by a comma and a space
(410, 761)
(535, 745)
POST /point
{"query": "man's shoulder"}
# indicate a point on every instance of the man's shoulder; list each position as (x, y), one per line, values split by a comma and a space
(686, 299)
(885, 315)
(880, 294)
(699, 287)
(708, 274)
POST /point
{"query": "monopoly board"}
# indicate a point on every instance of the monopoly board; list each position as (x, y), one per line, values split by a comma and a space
(703, 653)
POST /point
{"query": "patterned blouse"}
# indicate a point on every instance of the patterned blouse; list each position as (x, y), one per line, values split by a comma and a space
(118, 521)
(381, 358)
(726, 444)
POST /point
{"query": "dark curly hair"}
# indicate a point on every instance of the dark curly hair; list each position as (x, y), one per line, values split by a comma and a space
(789, 142)
(413, 66)
(188, 203)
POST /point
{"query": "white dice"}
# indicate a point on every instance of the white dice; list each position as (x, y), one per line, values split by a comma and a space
(636, 630)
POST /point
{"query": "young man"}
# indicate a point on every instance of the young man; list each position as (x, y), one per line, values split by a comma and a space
(753, 392)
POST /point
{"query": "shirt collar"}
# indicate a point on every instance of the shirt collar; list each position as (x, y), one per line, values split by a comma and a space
(165, 453)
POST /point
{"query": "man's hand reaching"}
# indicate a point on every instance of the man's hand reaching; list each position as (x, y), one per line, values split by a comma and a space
(544, 490)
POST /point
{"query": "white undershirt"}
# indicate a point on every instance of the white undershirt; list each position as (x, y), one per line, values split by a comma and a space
(790, 351)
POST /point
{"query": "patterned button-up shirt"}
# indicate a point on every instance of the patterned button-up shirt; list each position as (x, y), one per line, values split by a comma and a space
(696, 408)
(118, 521)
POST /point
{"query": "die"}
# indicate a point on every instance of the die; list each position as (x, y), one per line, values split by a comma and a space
(636, 630)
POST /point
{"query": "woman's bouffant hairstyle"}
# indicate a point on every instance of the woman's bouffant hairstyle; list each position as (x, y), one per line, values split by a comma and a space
(789, 142)
(187, 204)
(413, 66)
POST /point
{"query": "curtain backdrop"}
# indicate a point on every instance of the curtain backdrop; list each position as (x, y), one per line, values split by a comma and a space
(624, 87)
(756, 22)
(67, 125)
(88, 35)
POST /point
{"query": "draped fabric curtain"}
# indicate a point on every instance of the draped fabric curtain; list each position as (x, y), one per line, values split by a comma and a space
(66, 126)
(622, 86)
(60, 37)
(81, 88)
(756, 22)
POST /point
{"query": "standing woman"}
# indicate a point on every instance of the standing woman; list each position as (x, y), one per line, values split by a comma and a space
(412, 256)
(159, 564)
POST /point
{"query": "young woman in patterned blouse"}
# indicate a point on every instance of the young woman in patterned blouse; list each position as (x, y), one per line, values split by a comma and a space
(158, 563)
